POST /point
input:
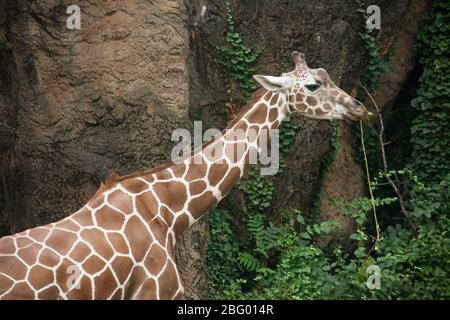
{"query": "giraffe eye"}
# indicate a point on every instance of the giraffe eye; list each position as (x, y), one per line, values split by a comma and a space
(312, 87)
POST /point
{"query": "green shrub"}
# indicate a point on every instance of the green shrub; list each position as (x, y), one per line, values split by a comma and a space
(281, 262)
(431, 127)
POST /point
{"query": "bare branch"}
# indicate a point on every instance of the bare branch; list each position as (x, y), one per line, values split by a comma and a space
(385, 165)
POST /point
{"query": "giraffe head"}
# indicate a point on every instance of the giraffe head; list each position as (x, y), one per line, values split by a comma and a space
(312, 93)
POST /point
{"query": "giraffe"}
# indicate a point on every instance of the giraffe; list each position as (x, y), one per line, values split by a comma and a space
(120, 244)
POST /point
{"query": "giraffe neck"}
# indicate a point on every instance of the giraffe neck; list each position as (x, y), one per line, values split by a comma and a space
(212, 171)
(120, 244)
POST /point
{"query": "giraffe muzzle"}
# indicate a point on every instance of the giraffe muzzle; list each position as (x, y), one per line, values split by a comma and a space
(356, 111)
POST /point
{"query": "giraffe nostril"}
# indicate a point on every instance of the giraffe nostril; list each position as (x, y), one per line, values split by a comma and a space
(358, 107)
(359, 111)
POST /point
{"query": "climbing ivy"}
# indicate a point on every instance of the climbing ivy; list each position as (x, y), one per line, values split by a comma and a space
(223, 253)
(430, 129)
(288, 131)
(258, 190)
(236, 59)
(237, 62)
(377, 65)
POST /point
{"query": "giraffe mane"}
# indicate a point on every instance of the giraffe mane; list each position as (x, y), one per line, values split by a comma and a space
(114, 178)
(255, 97)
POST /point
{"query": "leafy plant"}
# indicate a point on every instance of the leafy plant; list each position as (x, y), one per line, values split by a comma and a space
(376, 64)
(257, 189)
(288, 131)
(431, 127)
(223, 252)
(413, 265)
(236, 59)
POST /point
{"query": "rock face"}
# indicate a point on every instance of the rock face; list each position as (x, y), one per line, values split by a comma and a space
(76, 105)
(91, 101)
(343, 180)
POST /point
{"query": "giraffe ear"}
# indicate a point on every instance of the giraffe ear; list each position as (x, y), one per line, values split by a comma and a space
(274, 83)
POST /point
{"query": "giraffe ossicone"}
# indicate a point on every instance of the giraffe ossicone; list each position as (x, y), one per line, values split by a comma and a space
(120, 244)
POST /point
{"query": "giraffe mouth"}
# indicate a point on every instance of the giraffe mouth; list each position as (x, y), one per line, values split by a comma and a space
(350, 118)
(355, 114)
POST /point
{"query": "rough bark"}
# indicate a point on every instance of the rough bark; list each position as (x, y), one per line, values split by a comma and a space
(191, 260)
